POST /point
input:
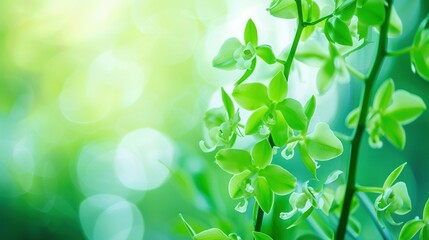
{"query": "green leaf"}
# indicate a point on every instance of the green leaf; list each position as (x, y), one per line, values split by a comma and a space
(394, 132)
(309, 163)
(322, 144)
(333, 176)
(384, 95)
(393, 176)
(395, 24)
(265, 52)
(410, 229)
(211, 234)
(372, 12)
(311, 53)
(424, 234)
(347, 11)
(337, 31)
(214, 117)
(328, 196)
(229, 105)
(293, 113)
(310, 107)
(234, 161)
(251, 96)
(420, 51)
(255, 120)
(405, 107)
(262, 154)
(426, 211)
(235, 186)
(250, 33)
(355, 225)
(263, 194)
(277, 88)
(225, 58)
(280, 180)
(283, 9)
(353, 118)
(188, 226)
(261, 236)
(247, 73)
(325, 77)
(402, 198)
(280, 130)
(302, 218)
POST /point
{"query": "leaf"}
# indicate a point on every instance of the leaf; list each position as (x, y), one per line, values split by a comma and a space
(255, 120)
(394, 132)
(310, 107)
(309, 163)
(283, 9)
(188, 226)
(400, 190)
(235, 186)
(247, 73)
(265, 52)
(372, 12)
(277, 88)
(410, 229)
(302, 218)
(333, 176)
(225, 58)
(355, 225)
(280, 180)
(251, 96)
(263, 194)
(426, 211)
(322, 144)
(262, 154)
(234, 161)
(261, 236)
(419, 54)
(405, 107)
(352, 118)
(211, 234)
(393, 176)
(229, 105)
(311, 53)
(293, 113)
(280, 130)
(395, 24)
(328, 199)
(347, 11)
(337, 31)
(384, 95)
(325, 77)
(250, 33)
(424, 234)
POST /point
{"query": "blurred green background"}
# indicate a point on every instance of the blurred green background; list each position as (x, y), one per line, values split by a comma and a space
(101, 108)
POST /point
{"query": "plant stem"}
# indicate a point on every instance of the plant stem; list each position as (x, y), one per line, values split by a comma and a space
(369, 207)
(259, 219)
(318, 20)
(288, 64)
(400, 52)
(355, 73)
(351, 180)
(369, 189)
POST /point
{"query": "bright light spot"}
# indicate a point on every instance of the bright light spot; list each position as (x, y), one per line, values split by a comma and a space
(110, 217)
(96, 172)
(143, 158)
(16, 167)
(113, 81)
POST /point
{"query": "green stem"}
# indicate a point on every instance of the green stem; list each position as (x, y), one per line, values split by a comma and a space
(289, 60)
(351, 180)
(370, 209)
(282, 62)
(259, 218)
(400, 52)
(369, 189)
(318, 20)
(343, 136)
(355, 72)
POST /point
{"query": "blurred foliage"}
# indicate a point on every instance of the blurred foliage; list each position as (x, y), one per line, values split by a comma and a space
(101, 108)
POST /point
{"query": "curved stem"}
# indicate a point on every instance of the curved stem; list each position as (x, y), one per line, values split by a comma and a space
(351, 180)
(289, 60)
(369, 189)
(400, 52)
(369, 207)
(318, 20)
(355, 72)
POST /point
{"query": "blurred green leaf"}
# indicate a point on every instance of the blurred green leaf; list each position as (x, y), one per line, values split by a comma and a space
(255, 120)
(310, 107)
(352, 118)
(372, 12)
(302, 218)
(280, 130)
(211, 234)
(250, 33)
(261, 236)
(235, 186)
(394, 132)
(410, 229)
(325, 77)
(283, 9)
(333, 176)
(311, 53)
(395, 24)
(405, 107)
(251, 96)
(393, 176)
(277, 88)
(383, 95)
(322, 144)
(280, 180)
(309, 163)
(234, 161)
(229, 105)
(293, 113)
(420, 50)
(337, 31)
(426, 211)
